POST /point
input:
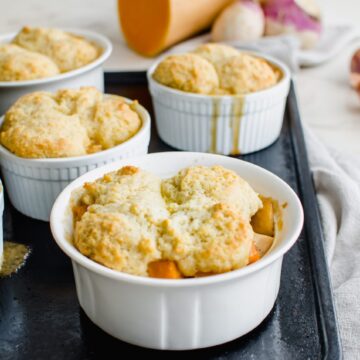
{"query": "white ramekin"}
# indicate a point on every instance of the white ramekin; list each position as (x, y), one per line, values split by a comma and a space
(188, 313)
(238, 124)
(34, 184)
(88, 75)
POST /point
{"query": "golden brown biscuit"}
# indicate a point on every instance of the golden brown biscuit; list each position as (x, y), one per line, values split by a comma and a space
(109, 121)
(215, 239)
(245, 73)
(18, 64)
(82, 102)
(34, 127)
(214, 52)
(68, 51)
(116, 241)
(198, 186)
(67, 123)
(199, 218)
(187, 72)
(128, 190)
(116, 122)
(120, 226)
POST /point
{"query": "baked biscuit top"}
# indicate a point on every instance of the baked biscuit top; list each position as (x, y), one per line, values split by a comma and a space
(215, 52)
(223, 70)
(67, 123)
(245, 73)
(68, 51)
(199, 186)
(127, 220)
(17, 64)
(187, 72)
(119, 226)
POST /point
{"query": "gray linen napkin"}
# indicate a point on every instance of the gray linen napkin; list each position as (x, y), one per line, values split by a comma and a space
(337, 182)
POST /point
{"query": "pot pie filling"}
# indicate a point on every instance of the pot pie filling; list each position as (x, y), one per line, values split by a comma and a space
(202, 221)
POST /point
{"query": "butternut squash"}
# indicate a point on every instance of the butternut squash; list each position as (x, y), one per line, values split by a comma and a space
(150, 26)
(263, 221)
(164, 269)
(262, 243)
(254, 254)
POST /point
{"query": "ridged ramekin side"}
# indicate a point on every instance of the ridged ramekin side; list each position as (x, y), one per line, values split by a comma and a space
(238, 124)
(34, 194)
(178, 318)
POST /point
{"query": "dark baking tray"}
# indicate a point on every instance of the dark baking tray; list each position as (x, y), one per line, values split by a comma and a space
(40, 317)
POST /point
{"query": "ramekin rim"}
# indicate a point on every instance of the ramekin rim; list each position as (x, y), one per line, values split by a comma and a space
(102, 270)
(99, 39)
(283, 81)
(145, 126)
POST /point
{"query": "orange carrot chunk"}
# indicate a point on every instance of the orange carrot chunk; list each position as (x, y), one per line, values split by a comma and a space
(254, 254)
(164, 269)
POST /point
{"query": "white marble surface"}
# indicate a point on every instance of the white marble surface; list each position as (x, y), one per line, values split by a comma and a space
(327, 103)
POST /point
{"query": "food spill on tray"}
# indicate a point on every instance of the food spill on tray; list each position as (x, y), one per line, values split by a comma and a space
(14, 258)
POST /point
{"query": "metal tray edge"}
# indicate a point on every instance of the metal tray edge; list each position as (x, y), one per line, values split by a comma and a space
(322, 283)
(125, 78)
